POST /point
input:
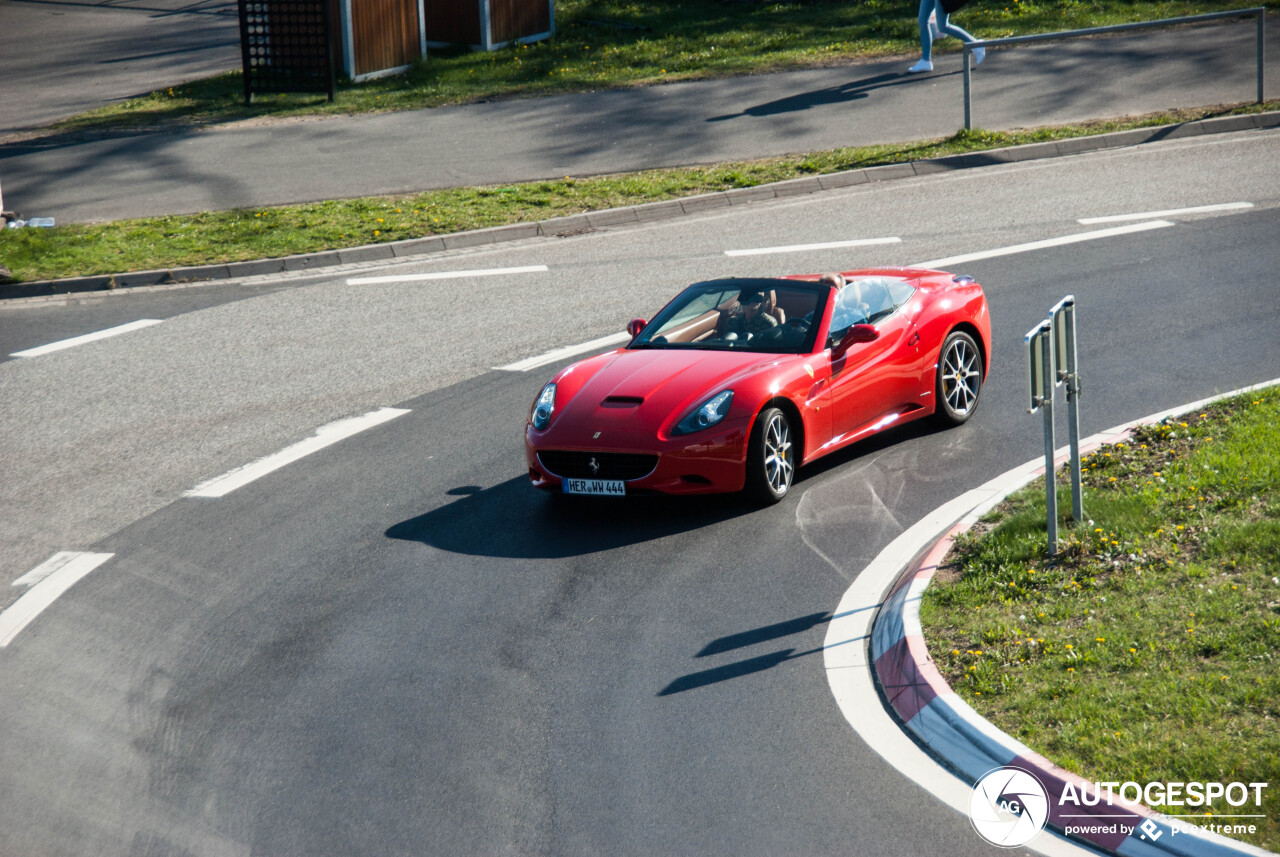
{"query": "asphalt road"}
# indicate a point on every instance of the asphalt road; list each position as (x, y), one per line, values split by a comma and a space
(395, 646)
(253, 164)
(62, 57)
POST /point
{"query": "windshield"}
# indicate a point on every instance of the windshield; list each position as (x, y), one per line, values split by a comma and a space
(771, 316)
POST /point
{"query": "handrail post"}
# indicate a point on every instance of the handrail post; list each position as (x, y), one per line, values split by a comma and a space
(1261, 56)
(968, 104)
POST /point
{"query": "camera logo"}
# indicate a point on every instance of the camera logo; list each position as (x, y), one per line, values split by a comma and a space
(1008, 807)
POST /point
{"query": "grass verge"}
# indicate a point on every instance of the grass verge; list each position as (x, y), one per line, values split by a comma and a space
(1148, 651)
(602, 44)
(242, 234)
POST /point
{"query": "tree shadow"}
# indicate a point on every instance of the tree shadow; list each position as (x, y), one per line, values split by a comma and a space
(513, 520)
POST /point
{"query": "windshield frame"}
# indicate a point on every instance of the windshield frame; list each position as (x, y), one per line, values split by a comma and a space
(820, 291)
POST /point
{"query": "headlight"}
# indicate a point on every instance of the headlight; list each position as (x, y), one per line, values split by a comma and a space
(708, 414)
(544, 407)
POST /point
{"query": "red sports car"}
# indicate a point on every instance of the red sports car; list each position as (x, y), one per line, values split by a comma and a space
(737, 382)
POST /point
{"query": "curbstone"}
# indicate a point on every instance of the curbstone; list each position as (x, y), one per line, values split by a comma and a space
(889, 172)
(950, 729)
(705, 202)
(845, 179)
(370, 253)
(743, 195)
(658, 210)
(647, 212)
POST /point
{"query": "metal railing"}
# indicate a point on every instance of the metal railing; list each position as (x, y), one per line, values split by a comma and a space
(969, 47)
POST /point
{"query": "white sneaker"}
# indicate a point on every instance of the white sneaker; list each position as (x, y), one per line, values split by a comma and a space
(923, 65)
(979, 54)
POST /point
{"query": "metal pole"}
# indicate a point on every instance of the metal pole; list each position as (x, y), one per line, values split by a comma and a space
(1261, 58)
(1050, 478)
(1073, 415)
(968, 103)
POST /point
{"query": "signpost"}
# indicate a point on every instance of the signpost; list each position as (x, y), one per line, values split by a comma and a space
(1052, 361)
(1043, 378)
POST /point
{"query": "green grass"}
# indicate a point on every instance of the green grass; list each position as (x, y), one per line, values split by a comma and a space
(1150, 650)
(612, 43)
(227, 236)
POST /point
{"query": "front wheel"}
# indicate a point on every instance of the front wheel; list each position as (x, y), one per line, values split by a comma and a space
(959, 379)
(770, 457)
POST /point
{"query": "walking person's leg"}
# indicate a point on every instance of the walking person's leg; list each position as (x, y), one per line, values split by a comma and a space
(945, 26)
(926, 37)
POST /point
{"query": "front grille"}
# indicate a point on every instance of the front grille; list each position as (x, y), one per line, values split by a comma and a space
(610, 465)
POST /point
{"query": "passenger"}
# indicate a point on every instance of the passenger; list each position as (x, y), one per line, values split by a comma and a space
(748, 318)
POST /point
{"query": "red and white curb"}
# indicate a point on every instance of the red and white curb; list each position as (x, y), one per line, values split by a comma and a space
(875, 653)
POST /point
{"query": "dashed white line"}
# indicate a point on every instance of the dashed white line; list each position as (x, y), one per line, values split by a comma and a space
(447, 275)
(324, 436)
(561, 353)
(1171, 212)
(1045, 244)
(48, 580)
(801, 248)
(87, 338)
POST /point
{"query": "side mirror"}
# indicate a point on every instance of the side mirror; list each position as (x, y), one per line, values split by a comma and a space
(857, 334)
(635, 326)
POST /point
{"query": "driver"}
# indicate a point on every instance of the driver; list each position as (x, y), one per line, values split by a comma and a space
(749, 317)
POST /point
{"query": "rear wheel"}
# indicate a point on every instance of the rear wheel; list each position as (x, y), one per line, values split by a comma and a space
(959, 378)
(771, 458)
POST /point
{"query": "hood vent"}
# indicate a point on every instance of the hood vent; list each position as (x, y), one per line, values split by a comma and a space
(622, 402)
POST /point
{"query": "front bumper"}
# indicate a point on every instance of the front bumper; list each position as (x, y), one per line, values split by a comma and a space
(709, 462)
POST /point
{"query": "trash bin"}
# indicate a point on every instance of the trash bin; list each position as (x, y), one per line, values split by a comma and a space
(487, 25)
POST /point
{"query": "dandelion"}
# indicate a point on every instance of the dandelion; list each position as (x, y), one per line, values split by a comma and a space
(1132, 650)
(1100, 639)
(955, 651)
(1069, 646)
(1071, 669)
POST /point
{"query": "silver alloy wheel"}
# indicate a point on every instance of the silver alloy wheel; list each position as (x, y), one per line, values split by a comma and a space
(777, 454)
(960, 376)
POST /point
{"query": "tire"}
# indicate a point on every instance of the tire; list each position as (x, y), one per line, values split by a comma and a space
(771, 457)
(958, 381)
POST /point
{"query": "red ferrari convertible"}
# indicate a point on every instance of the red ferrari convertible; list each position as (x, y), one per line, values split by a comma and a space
(737, 382)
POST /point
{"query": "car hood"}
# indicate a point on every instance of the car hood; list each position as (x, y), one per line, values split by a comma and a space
(643, 388)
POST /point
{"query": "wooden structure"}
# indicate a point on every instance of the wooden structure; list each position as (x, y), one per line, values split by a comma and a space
(487, 25)
(379, 37)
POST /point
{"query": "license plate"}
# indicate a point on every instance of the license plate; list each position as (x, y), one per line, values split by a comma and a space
(611, 487)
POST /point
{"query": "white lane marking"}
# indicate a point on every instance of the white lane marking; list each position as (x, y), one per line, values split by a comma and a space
(801, 248)
(1042, 245)
(324, 436)
(447, 275)
(1172, 212)
(571, 350)
(561, 353)
(48, 580)
(88, 337)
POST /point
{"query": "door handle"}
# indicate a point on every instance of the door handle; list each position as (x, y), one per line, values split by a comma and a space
(914, 339)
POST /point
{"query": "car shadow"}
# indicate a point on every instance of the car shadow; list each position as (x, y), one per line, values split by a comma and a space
(514, 520)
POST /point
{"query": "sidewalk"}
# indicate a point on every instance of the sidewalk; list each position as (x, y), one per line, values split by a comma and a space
(259, 164)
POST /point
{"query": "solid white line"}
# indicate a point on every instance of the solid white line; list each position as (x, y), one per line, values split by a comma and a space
(48, 580)
(1041, 245)
(801, 248)
(447, 275)
(324, 436)
(88, 337)
(1172, 212)
(561, 353)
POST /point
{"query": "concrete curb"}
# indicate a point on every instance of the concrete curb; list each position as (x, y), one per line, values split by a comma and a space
(968, 744)
(649, 212)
